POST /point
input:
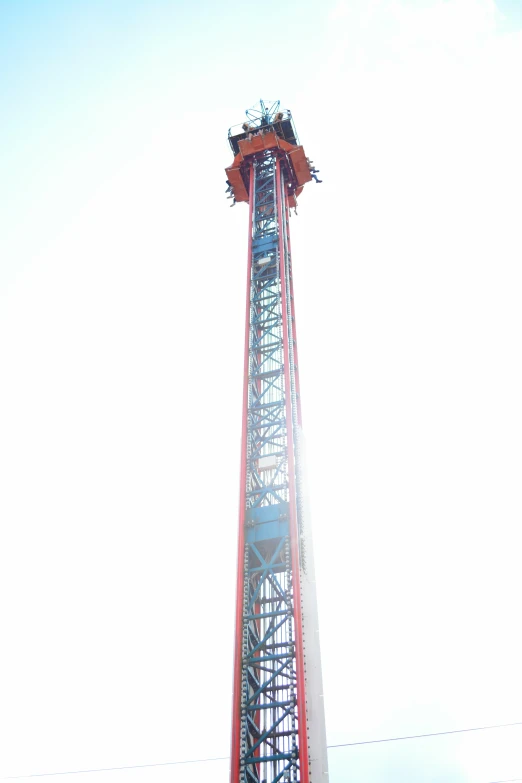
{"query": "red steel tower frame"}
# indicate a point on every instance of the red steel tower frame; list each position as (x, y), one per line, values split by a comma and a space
(278, 728)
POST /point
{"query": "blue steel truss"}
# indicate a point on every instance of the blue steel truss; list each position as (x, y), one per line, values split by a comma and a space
(269, 749)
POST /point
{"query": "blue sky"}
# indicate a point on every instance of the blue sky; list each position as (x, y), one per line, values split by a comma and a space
(121, 294)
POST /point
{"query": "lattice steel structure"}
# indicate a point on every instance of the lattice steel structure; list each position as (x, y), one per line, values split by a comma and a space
(278, 731)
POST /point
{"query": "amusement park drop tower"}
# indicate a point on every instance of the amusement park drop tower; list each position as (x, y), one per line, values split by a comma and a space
(278, 728)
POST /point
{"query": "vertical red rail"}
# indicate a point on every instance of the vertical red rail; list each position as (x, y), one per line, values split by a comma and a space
(236, 698)
(294, 534)
(292, 303)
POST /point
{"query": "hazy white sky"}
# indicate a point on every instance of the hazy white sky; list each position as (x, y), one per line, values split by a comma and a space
(122, 276)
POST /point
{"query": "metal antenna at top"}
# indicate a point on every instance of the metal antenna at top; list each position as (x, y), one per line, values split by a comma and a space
(263, 113)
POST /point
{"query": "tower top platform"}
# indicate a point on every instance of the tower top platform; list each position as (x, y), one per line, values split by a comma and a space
(267, 117)
(267, 128)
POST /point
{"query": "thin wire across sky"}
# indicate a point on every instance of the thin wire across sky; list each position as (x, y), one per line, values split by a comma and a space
(226, 758)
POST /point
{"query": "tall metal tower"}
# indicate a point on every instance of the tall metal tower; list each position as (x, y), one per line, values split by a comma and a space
(278, 729)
